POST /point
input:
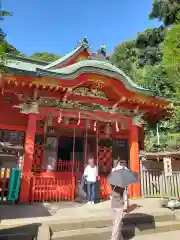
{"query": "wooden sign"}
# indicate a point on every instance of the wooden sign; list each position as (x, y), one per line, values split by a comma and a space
(167, 166)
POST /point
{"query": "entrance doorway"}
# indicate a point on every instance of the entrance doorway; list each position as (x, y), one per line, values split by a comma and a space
(65, 148)
(120, 149)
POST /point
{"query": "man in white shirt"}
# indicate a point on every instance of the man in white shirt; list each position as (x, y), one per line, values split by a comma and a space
(91, 174)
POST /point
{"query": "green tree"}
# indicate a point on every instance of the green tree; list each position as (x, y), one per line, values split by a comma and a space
(4, 46)
(171, 56)
(146, 49)
(156, 79)
(45, 56)
(3, 43)
(165, 10)
(124, 57)
(149, 46)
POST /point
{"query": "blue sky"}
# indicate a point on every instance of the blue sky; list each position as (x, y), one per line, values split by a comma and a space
(56, 25)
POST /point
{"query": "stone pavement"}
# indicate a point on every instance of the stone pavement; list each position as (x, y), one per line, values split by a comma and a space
(159, 236)
(68, 211)
(68, 218)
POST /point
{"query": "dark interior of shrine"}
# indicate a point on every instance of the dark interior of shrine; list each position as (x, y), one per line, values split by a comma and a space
(65, 147)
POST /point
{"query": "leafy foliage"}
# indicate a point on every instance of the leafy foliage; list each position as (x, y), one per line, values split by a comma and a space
(45, 56)
(171, 57)
(4, 46)
(156, 79)
(149, 46)
(152, 60)
(165, 10)
(124, 57)
(4, 14)
(3, 43)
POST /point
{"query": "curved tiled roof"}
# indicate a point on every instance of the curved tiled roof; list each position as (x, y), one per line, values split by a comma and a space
(94, 66)
(21, 65)
(72, 71)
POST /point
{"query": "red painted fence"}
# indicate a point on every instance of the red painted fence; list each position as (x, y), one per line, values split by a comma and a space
(52, 186)
(56, 186)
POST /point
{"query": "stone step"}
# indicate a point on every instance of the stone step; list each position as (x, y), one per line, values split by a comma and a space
(128, 231)
(106, 221)
(159, 236)
(28, 232)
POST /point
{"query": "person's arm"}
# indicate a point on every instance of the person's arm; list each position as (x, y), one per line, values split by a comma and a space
(86, 171)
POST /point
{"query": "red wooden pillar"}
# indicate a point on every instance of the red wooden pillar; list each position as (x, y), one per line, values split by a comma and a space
(28, 158)
(135, 190)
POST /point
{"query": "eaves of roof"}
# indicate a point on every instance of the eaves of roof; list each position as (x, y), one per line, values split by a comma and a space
(86, 66)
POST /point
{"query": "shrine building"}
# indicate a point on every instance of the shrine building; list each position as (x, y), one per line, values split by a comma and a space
(63, 112)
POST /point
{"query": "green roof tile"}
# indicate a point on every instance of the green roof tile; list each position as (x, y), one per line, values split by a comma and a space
(21, 65)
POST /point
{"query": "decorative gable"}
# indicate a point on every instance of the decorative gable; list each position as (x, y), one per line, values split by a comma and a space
(88, 92)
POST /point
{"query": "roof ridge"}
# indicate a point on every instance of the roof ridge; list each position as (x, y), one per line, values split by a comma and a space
(79, 47)
(28, 59)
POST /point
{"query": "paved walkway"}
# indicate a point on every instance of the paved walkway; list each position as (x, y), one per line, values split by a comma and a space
(159, 236)
(68, 211)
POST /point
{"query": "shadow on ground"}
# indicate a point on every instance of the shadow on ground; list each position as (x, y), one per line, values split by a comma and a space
(135, 222)
(19, 211)
(27, 232)
(23, 211)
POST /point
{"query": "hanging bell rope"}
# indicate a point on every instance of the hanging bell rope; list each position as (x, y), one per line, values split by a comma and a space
(73, 156)
(97, 147)
(85, 147)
